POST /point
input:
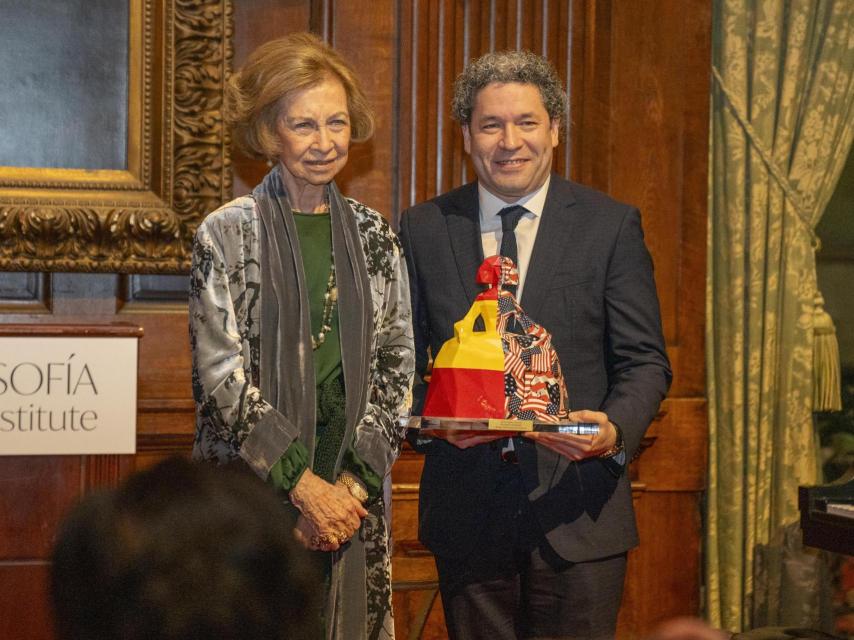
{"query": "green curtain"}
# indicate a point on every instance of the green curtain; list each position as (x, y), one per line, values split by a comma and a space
(781, 128)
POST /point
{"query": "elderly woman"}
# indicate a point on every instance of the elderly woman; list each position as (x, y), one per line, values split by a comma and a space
(300, 325)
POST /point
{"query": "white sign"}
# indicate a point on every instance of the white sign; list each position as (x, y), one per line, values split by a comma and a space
(67, 395)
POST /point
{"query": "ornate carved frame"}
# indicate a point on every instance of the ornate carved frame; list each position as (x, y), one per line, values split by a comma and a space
(139, 220)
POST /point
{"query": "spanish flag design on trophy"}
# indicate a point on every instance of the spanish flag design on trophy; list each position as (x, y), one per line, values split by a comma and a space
(509, 369)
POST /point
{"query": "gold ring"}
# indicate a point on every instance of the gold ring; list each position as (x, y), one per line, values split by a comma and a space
(324, 539)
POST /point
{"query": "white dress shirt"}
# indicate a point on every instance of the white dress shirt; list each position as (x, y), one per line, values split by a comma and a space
(526, 230)
(526, 234)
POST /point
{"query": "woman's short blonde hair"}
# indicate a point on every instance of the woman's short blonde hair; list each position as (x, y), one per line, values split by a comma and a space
(254, 95)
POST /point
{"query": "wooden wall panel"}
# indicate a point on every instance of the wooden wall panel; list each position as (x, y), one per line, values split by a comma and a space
(676, 457)
(662, 582)
(366, 38)
(164, 359)
(437, 38)
(48, 485)
(24, 594)
(640, 133)
(36, 492)
(257, 22)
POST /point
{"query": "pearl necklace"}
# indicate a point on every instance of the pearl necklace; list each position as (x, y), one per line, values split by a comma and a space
(329, 300)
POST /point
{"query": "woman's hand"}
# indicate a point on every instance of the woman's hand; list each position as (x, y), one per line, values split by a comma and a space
(332, 513)
(309, 537)
(304, 533)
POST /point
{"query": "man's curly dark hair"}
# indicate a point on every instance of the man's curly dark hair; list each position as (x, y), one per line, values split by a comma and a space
(508, 66)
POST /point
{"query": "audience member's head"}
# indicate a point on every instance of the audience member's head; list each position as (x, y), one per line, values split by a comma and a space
(183, 551)
(687, 628)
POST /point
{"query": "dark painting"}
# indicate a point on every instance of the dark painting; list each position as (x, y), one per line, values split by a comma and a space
(64, 89)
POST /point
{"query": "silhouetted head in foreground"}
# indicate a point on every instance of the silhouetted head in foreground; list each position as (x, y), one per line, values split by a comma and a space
(183, 551)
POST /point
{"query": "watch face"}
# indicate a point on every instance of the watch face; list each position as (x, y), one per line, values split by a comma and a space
(358, 492)
(354, 488)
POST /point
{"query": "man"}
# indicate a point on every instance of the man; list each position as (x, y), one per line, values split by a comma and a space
(183, 551)
(530, 535)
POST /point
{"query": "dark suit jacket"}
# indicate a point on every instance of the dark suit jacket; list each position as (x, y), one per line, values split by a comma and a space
(590, 283)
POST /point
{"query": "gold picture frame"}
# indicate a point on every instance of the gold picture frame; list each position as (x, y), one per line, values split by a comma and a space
(142, 219)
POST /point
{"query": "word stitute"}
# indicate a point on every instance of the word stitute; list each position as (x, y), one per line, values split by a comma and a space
(64, 379)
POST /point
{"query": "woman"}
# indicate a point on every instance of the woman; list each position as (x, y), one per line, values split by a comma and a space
(300, 325)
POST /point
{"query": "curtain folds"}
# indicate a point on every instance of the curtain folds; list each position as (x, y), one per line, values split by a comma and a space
(782, 121)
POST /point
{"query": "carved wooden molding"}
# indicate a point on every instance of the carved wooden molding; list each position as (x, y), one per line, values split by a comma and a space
(139, 220)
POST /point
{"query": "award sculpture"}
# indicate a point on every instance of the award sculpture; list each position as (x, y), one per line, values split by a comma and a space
(505, 375)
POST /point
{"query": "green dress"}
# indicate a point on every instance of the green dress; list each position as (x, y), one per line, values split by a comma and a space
(315, 237)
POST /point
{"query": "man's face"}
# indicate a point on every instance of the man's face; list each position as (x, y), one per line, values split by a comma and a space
(510, 139)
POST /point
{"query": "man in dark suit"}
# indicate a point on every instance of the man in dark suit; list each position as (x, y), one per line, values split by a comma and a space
(530, 534)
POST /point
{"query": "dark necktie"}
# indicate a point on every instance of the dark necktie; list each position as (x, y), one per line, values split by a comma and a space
(510, 217)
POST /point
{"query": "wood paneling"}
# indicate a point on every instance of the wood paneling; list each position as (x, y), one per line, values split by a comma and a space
(437, 38)
(663, 572)
(640, 133)
(35, 492)
(164, 361)
(365, 37)
(638, 80)
(24, 597)
(417, 603)
(257, 22)
(676, 459)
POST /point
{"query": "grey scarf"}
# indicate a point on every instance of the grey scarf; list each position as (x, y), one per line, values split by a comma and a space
(286, 363)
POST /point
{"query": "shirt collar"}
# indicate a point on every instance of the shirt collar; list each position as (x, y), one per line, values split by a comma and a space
(491, 204)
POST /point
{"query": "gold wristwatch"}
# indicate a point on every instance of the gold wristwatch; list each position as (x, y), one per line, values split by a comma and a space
(356, 490)
(618, 444)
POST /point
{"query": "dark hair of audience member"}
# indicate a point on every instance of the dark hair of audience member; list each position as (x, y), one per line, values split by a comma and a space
(183, 551)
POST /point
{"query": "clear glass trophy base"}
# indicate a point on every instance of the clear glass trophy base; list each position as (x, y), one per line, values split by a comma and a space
(428, 425)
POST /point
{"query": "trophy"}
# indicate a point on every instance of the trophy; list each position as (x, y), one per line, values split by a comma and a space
(499, 374)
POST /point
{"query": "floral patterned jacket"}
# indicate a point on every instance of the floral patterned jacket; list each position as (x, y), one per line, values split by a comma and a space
(225, 341)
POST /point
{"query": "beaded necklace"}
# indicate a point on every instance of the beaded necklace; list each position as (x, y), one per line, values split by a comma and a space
(331, 295)
(329, 300)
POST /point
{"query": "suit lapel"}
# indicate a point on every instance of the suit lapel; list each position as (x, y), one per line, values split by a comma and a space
(551, 245)
(463, 222)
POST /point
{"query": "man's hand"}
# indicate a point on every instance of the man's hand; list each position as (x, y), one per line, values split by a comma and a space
(463, 439)
(576, 447)
(467, 439)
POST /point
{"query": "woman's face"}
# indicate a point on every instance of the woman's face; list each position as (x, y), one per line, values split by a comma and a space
(314, 127)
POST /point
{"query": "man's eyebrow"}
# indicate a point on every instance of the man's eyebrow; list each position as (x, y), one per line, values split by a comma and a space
(489, 116)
